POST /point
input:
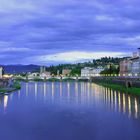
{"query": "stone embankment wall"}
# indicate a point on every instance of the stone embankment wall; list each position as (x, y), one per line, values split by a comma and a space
(124, 81)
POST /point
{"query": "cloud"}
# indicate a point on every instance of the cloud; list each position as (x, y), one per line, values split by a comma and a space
(46, 28)
(73, 57)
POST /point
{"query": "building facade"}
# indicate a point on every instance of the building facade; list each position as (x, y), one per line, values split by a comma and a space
(124, 70)
(33, 75)
(42, 69)
(46, 74)
(91, 72)
(1, 72)
(66, 72)
(131, 66)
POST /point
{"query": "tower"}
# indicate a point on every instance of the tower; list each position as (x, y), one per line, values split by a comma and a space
(42, 69)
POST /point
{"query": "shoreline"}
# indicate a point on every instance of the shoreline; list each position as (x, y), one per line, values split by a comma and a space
(130, 90)
(52, 80)
(109, 84)
(16, 86)
(4, 90)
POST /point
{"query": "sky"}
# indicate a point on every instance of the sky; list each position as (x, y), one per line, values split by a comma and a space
(47, 32)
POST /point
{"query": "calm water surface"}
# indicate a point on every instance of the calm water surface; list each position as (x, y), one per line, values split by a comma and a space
(69, 111)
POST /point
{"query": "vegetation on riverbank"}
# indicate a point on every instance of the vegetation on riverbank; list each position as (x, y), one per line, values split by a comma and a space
(2, 90)
(130, 90)
(76, 68)
(16, 85)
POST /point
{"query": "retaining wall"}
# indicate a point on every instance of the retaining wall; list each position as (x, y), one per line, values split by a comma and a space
(127, 82)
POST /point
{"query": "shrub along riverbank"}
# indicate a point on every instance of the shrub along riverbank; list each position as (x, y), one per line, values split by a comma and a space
(16, 85)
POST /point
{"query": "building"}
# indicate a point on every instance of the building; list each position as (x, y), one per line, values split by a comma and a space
(124, 69)
(1, 72)
(131, 66)
(85, 72)
(91, 72)
(42, 69)
(66, 72)
(58, 72)
(45, 75)
(33, 75)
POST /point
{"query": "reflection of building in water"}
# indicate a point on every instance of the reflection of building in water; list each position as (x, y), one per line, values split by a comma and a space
(1, 100)
(112, 105)
(115, 98)
(129, 106)
(122, 103)
(35, 91)
(19, 94)
(76, 92)
(27, 86)
(84, 94)
(136, 108)
(52, 91)
(119, 101)
(44, 90)
(60, 89)
(5, 102)
(68, 88)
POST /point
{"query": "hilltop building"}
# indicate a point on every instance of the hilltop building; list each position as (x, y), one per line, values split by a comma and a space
(66, 72)
(131, 66)
(91, 72)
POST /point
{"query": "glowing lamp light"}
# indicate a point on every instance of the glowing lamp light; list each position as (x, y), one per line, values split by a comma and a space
(7, 76)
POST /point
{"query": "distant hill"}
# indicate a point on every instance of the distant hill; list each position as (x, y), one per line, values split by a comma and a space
(76, 68)
(17, 69)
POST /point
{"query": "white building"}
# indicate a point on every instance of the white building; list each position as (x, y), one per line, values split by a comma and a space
(85, 72)
(33, 75)
(91, 72)
(1, 72)
(45, 75)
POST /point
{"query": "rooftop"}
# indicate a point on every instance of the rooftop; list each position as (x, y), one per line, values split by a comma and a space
(134, 58)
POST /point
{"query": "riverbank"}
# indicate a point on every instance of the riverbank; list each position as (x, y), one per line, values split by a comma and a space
(104, 82)
(130, 90)
(124, 84)
(16, 86)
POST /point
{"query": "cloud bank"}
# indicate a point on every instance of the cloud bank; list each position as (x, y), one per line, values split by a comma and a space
(45, 32)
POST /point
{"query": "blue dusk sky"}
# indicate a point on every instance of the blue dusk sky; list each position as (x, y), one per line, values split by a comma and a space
(67, 31)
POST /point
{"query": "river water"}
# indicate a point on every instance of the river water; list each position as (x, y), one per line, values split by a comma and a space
(69, 111)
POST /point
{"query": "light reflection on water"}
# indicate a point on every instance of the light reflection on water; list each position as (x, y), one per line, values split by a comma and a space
(81, 109)
(86, 94)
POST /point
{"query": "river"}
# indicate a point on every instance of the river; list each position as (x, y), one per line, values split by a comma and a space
(69, 111)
